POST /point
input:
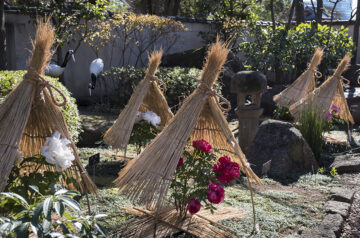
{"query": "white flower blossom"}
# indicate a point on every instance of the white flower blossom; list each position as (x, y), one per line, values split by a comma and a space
(57, 152)
(148, 116)
(151, 117)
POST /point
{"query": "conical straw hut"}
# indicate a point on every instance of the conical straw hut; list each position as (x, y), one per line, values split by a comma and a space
(146, 179)
(147, 96)
(331, 92)
(31, 113)
(303, 85)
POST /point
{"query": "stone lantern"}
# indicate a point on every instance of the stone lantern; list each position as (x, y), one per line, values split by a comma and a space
(249, 86)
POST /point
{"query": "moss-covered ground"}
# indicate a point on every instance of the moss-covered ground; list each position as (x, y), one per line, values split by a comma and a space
(282, 210)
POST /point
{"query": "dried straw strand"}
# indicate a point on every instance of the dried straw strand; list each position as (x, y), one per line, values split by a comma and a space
(118, 135)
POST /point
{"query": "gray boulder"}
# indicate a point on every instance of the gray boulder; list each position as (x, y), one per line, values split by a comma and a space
(349, 163)
(279, 150)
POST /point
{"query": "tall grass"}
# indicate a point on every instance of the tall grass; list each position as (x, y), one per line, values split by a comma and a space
(312, 125)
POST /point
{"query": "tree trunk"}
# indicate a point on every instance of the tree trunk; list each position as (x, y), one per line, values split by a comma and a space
(3, 59)
(319, 11)
(299, 7)
(272, 14)
(149, 7)
(356, 33)
(172, 7)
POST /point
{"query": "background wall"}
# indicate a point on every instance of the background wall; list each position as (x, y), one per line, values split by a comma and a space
(20, 31)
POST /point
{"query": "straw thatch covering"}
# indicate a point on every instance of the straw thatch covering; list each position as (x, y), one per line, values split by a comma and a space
(215, 130)
(30, 113)
(146, 179)
(147, 96)
(303, 85)
(331, 92)
(166, 222)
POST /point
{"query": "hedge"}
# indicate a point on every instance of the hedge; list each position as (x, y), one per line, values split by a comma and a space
(179, 82)
(9, 80)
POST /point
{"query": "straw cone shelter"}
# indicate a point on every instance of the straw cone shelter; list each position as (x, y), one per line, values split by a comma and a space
(31, 112)
(331, 92)
(303, 85)
(146, 179)
(146, 96)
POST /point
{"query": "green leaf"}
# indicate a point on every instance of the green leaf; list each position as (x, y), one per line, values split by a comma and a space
(46, 225)
(61, 191)
(17, 198)
(100, 229)
(22, 230)
(74, 205)
(37, 212)
(34, 188)
(47, 208)
(59, 208)
(98, 216)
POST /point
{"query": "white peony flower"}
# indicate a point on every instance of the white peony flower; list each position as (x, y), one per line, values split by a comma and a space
(138, 117)
(56, 151)
(151, 117)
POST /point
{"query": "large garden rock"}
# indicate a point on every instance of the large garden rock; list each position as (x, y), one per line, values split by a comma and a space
(342, 195)
(349, 163)
(283, 145)
(335, 207)
(333, 222)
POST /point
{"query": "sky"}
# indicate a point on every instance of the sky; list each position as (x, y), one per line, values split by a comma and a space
(343, 8)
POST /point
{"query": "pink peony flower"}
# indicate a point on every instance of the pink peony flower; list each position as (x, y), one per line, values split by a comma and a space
(335, 108)
(181, 161)
(193, 206)
(328, 116)
(226, 170)
(216, 193)
(202, 145)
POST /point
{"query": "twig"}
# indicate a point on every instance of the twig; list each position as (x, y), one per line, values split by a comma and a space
(253, 204)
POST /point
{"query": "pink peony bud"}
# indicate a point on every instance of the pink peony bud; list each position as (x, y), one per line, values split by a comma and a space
(181, 161)
(193, 206)
(202, 145)
(216, 193)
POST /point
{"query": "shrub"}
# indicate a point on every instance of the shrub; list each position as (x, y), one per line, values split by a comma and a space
(295, 50)
(143, 132)
(38, 219)
(179, 82)
(282, 113)
(9, 80)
